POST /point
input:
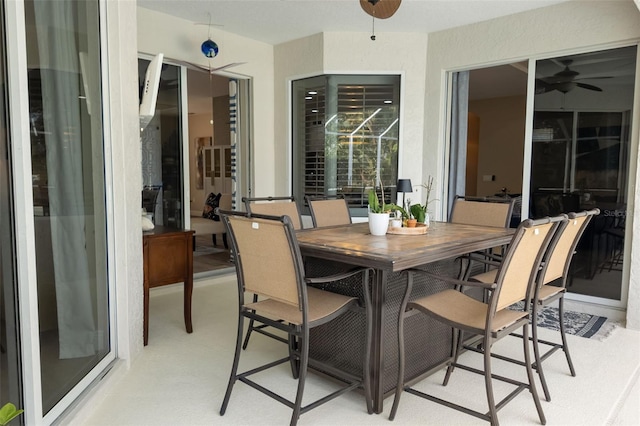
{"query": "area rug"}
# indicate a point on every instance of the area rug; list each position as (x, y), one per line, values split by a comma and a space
(576, 323)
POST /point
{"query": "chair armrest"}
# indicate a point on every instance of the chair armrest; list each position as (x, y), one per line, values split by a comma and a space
(453, 281)
(486, 258)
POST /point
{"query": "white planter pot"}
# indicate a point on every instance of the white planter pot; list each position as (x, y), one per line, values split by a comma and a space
(378, 223)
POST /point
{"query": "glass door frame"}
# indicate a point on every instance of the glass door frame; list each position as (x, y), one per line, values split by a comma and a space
(634, 146)
(19, 132)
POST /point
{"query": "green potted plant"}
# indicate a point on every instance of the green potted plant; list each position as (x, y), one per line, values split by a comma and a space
(378, 212)
(421, 211)
(410, 219)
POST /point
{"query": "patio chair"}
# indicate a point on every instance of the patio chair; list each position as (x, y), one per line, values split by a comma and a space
(275, 206)
(328, 211)
(484, 211)
(272, 206)
(491, 321)
(551, 286)
(269, 263)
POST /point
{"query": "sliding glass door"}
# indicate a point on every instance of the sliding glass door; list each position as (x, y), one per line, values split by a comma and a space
(577, 157)
(69, 200)
(580, 157)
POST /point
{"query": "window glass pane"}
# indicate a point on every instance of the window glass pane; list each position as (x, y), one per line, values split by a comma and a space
(69, 191)
(346, 137)
(10, 368)
(580, 157)
(162, 147)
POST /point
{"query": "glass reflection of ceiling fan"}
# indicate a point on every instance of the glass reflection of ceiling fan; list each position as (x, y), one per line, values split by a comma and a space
(566, 80)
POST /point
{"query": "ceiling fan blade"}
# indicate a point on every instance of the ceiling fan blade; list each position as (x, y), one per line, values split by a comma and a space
(588, 87)
(199, 67)
(192, 66)
(594, 78)
(233, 64)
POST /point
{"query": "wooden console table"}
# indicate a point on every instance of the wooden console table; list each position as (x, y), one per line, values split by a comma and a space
(168, 259)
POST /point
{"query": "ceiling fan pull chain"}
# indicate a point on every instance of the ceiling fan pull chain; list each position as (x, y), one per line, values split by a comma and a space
(373, 26)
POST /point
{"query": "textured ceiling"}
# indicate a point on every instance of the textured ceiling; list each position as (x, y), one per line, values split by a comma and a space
(277, 21)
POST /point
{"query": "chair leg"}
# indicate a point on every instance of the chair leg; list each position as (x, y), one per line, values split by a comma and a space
(224, 241)
(536, 351)
(250, 328)
(532, 383)
(457, 339)
(295, 363)
(565, 348)
(303, 341)
(400, 385)
(493, 412)
(234, 367)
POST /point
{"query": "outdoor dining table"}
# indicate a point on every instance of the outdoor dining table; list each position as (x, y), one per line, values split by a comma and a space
(339, 248)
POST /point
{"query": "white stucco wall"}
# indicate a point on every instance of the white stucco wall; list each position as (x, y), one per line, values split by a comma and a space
(354, 53)
(293, 60)
(180, 40)
(124, 130)
(571, 27)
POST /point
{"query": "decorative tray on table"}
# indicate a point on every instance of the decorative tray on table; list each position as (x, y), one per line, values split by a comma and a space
(420, 229)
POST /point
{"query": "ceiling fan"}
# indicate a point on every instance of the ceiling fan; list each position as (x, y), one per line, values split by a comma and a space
(565, 80)
(381, 9)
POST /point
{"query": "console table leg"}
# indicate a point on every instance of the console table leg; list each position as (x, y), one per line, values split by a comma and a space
(145, 332)
(188, 292)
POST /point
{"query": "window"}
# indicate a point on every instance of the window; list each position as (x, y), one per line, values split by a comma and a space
(162, 147)
(345, 137)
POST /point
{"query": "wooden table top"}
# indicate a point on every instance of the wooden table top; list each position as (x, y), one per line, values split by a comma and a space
(354, 244)
(160, 230)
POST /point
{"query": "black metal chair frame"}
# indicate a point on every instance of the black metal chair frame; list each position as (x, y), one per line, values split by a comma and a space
(261, 328)
(249, 201)
(488, 337)
(298, 334)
